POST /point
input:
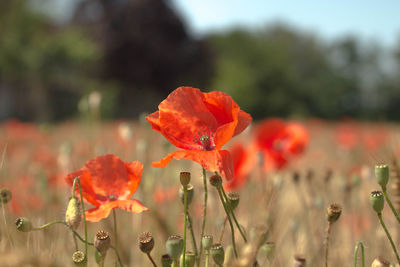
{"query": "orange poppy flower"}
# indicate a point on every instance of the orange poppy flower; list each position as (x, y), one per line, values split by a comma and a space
(279, 141)
(200, 124)
(108, 183)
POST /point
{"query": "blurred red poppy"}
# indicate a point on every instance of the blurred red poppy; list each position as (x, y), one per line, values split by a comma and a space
(279, 141)
(244, 159)
(108, 183)
(201, 124)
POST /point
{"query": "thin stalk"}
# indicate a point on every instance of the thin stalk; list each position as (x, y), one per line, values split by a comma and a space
(48, 225)
(229, 218)
(389, 237)
(223, 230)
(359, 244)
(184, 224)
(233, 214)
(6, 227)
(151, 259)
(328, 233)
(174, 263)
(115, 232)
(207, 257)
(204, 211)
(83, 209)
(190, 226)
(102, 260)
(390, 204)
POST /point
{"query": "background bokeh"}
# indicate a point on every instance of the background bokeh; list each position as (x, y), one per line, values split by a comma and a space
(289, 59)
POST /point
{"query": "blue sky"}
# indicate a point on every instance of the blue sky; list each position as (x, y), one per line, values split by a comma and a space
(370, 20)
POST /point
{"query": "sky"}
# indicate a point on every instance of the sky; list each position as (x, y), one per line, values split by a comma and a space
(370, 20)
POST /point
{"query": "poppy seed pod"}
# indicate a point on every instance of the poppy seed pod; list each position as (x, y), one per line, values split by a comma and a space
(5, 195)
(102, 241)
(377, 201)
(166, 260)
(79, 258)
(218, 254)
(97, 256)
(382, 174)
(73, 213)
(380, 262)
(190, 194)
(23, 224)
(207, 241)
(146, 242)
(333, 212)
(189, 259)
(216, 180)
(174, 246)
(233, 199)
(299, 261)
(185, 178)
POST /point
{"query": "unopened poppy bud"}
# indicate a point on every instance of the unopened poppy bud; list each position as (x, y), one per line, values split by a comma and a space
(207, 241)
(23, 224)
(174, 246)
(79, 258)
(5, 195)
(382, 174)
(166, 260)
(380, 262)
(190, 194)
(102, 241)
(299, 261)
(218, 254)
(146, 242)
(233, 199)
(216, 180)
(189, 259)
(333, 212)
(185, 178)
(377, 201)
(73, 213)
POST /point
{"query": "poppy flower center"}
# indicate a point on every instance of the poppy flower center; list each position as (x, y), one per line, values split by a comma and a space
(112, 197)
(205, 141)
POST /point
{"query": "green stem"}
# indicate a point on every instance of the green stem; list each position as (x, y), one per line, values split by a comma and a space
(83, 209)
(184, 224)
(229, 218)
(389, 237)
(223, 230)
(48, 225)
(328, 233)
(207, 257)
(233, 215)
(115, 232)
(390, 204)
(190, 226)
(359, 244)
(174, 263)
(204, 211)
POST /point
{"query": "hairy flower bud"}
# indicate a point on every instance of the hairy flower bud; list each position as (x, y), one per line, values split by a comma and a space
(73, 213)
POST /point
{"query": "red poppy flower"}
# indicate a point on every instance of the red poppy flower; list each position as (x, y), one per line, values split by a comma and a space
(108, 183)
(201, 124)
(244, 159)
(279, 141)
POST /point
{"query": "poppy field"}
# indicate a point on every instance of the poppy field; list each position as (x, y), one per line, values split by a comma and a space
(198, 182)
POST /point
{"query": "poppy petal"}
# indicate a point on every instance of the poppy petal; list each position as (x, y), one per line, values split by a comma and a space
(102, 211)
(154, 120)
(214, 161)
(86, 185)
